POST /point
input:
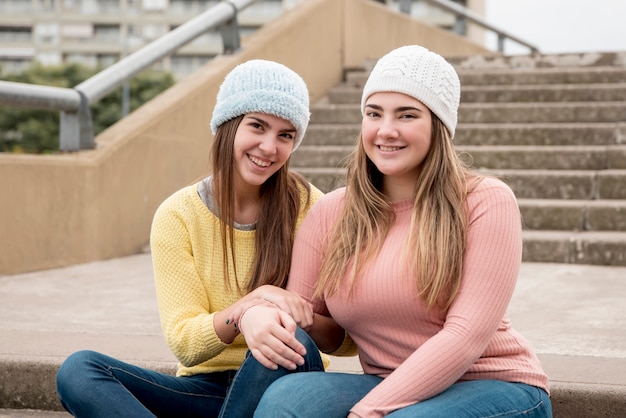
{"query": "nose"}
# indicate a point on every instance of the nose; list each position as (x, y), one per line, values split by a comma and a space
(387, 128)
(268, 145)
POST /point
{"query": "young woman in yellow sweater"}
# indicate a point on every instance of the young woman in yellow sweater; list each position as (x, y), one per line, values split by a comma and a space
(219, 247)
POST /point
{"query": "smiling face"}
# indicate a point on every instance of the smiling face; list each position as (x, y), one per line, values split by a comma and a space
(396, 133)
(263, 143)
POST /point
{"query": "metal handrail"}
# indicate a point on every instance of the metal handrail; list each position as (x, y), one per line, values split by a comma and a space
(461, 12)
(76, 130)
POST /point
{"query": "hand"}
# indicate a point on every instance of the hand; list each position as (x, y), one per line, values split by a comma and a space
(289, 302)
(270, 336)
(353, 415)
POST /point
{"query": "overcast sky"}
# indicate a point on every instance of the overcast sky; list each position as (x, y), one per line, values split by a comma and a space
(556, 26)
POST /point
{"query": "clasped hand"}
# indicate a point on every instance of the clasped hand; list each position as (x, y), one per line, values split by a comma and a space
(269, 322)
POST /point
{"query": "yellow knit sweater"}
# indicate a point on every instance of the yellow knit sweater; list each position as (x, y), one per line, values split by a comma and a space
(188, 267)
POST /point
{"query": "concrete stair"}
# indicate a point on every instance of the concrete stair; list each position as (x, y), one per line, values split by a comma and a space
(553, 127)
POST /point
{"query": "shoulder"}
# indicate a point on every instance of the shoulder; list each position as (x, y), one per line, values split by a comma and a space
(181, 201)
(491, 195)
(312, 196)
(330, 204)
(487, 186)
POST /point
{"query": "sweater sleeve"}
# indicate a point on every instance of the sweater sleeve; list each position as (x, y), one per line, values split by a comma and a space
(182, 299)
(491, 266)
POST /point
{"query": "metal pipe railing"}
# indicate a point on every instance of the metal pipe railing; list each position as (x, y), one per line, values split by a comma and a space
(73, 103)
(460, 11)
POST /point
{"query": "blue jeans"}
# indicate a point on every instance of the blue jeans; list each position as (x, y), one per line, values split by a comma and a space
(332, 395)
(91, 384)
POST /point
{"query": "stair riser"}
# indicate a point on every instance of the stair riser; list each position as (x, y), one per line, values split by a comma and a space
(33, 383)
(523, 134)
(547, 159)
(565, 185)
(531, 159)
(524, 77)
(575, 251)
(542, 113)
(470, 134)
(573, 218)
(332, 134)
(526, 185)
(472, 94)
(319, 157)
(498, 113)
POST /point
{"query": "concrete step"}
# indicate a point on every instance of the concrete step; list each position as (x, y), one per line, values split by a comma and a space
(565, 184)
(346, 94)
(539, 61)
(527, 184)
(573, 215)
(539, 157)
(325, 178)
(493, 156)
(523, 76)
(602, 248)
(540, 133)
(330, 134)
(571, 314)
(575, 112)
(32, 413)
(568, 134)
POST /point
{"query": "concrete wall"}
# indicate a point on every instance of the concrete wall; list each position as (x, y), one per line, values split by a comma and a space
(61, 210)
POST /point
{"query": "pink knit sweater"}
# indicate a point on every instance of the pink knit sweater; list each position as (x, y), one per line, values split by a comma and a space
(421, 352)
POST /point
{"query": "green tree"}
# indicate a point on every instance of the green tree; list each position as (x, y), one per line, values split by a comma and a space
(37, 131)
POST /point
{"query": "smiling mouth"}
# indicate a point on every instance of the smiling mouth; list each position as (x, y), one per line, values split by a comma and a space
(386, 148)
(259, 162)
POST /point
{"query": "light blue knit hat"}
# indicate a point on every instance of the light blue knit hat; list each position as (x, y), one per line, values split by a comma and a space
(421, 74)
(264, 87)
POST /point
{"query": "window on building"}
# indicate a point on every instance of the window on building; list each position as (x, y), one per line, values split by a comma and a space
(105, 60)
(45, 5)
(77, 31)
(133, 7)
(15, 34)
(49, 58)
(108, 6)
(15, 6)
(190, 7)
(154, 5)
(184, 65)
(13, 66)
(107, 33)
(46, 33)
(86, 59)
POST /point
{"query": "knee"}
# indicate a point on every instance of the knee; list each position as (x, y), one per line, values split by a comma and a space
(74, 371)
(313, 358)
(305, 339)
(274, 402)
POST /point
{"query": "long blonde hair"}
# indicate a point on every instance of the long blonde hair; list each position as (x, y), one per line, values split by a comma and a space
(438, 231)
(280, 206)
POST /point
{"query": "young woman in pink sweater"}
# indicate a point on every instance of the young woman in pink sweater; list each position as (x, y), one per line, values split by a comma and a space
(415, 261)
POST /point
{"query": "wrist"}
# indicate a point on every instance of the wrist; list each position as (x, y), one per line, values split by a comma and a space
(250, 306)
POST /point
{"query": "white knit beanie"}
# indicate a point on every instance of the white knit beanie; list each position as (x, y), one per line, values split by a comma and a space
(264, 87)
(421, 74)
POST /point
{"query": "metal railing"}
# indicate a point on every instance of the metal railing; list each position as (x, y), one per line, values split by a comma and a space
(76, 130)
(461, 14)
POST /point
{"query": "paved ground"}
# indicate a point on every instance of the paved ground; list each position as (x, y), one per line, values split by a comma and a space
(575, 316)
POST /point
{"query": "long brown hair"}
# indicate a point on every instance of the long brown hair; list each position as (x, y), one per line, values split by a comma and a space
(438, 225)
(280, 206)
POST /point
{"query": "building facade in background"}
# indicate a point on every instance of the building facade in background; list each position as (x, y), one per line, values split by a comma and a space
(97, 33)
